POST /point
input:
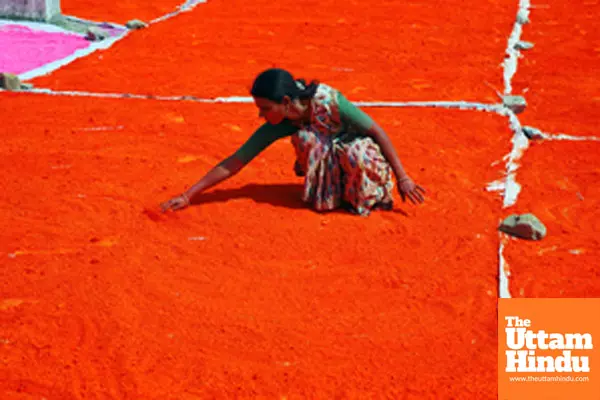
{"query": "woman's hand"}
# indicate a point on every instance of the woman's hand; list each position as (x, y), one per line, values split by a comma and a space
(408, 188)
(176, 203)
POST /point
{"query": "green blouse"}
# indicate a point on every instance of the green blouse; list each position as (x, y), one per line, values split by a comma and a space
(268, 133)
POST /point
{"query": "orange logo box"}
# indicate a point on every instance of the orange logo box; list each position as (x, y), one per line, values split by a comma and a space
(549, 349)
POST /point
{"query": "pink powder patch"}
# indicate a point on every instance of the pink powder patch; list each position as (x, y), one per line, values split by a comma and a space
(24, 49)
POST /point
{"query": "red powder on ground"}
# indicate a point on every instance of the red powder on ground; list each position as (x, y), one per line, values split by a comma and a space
(559, 76)
(119, 11)
(559, 179)
(559, 187)
(395, 51)
(250, 293)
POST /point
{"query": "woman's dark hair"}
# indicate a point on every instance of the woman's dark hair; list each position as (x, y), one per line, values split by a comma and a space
(274, 84)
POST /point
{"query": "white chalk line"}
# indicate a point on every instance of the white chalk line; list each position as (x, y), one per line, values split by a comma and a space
(458, 105)
(504, 272)
(510, 186)
(95, 23)
(102, 128)
(562, 136)
(511, 63)
(520, 141)
(187, 6)
(78, 93)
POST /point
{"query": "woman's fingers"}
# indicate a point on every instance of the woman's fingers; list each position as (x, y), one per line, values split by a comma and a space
(174, 204)
(165, 206)
(178, 205)
(413, 191)
(415, 196)
(412, 196)
(419, 195)
(402, 195)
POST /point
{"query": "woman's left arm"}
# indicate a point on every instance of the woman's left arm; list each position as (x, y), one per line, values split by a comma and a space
(364, 123)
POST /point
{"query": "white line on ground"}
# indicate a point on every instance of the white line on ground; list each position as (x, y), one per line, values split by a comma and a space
(511, 63)
(504, 273)
(562, 136)
(459, 105)
(187, 6)
(102, 128)
(79, 93)
(520, 142)
(99, 24)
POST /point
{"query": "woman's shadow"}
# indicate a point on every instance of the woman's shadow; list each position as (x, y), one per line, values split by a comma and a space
(287, 195)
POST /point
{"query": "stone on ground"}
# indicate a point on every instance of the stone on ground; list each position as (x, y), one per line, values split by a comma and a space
(533, 133)
(136, 24)
(524, 226)
(96, 34)
(516, 103)
(10, 82)
(523, 45)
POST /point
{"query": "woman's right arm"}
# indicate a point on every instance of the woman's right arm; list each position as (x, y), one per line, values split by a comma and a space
(260, 140)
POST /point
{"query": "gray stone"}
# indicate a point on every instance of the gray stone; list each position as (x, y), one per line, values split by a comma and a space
(516, 103)
(10, 82)
(96, 34)
(136, 24)
(523, 17)
(524, 226)
(532, 133)
(523, 45)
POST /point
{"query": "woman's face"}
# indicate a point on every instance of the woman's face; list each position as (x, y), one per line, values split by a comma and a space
(271, 111)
